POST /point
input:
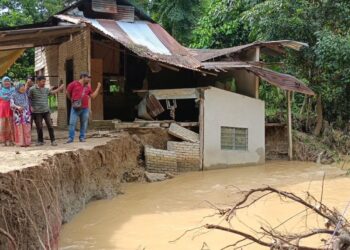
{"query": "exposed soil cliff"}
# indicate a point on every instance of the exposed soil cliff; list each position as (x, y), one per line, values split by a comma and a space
(35, 201)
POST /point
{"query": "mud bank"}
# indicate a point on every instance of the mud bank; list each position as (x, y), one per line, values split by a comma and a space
(37, 200)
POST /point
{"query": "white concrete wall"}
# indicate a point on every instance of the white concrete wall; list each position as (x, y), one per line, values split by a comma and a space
(223, 108)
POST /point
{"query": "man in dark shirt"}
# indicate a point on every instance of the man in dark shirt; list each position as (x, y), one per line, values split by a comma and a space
(39, 96)
(80, 91)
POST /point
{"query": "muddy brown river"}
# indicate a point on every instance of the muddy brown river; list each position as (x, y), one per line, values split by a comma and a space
(150, 216)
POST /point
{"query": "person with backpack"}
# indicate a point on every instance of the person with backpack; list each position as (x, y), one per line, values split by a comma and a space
(80, 92)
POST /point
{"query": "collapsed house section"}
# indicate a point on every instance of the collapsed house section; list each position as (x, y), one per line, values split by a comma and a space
(150, 80)
(180, 156)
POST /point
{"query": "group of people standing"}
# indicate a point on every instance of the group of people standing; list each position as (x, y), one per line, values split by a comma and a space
(23, 103)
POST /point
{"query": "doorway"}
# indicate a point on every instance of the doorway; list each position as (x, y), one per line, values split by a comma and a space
(69, 79)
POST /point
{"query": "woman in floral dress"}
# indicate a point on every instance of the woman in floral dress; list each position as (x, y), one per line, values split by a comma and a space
(6, 128)
(21, 116)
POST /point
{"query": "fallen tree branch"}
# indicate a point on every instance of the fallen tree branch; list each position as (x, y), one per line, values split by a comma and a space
(245, 235)
(336, 224)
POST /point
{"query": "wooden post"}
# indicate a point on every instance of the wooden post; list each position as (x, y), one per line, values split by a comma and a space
(201, 128)
(257, 79)
(290, 136)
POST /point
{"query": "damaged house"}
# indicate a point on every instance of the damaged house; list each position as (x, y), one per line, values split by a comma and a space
(207, 98)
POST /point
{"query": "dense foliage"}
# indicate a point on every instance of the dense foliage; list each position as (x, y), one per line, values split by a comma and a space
(178, 17)
(323, 24)
(21, 12)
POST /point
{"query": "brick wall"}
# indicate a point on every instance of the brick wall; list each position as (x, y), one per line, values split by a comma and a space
(187, 155)
(160, 161)
(78, 50)
(183, 133)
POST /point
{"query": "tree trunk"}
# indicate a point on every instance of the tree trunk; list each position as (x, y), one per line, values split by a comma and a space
(308, 110)
(303, 107)
(319, 111)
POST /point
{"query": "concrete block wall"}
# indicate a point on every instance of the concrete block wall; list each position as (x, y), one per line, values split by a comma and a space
(187, 155)
(183, 133)
(160, 161)
(78, 49)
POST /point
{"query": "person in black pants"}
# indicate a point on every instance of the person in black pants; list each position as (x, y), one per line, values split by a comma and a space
(39, 96)
(38, 119)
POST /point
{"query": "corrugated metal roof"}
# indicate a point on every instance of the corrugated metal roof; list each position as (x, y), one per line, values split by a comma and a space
(283, 81)
(148, 40)
(270, 47)
(141, 34)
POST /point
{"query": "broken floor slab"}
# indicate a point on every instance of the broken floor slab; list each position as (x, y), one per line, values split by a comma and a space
(156, 177)
(183, 133)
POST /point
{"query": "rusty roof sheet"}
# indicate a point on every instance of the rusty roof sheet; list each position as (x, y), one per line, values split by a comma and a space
(141, 37)
(270, 47)
(283, 81)
(140, 33)
(146, 39)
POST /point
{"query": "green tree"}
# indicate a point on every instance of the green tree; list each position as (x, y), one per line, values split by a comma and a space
(178, 17)
(21, 12)
(323, 24)
(221, 24)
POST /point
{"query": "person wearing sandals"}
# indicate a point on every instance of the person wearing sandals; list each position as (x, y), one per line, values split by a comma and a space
(79, 92)
(6, 128)
(19, 103)
(39, 98)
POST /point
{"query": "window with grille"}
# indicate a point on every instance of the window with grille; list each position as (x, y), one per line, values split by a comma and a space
(234, 138)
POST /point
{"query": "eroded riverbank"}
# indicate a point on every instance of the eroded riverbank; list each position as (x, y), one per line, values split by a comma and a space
(148, 216)
(37, 198)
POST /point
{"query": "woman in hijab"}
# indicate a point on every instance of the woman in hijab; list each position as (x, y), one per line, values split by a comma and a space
(21, 116)
(6, 129)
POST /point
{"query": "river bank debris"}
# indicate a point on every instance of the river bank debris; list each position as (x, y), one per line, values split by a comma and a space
(335, 233)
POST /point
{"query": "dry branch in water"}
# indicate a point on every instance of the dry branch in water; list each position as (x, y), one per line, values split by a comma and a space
(336, 229)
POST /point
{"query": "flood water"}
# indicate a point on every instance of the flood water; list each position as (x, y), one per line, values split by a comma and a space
(149, 216)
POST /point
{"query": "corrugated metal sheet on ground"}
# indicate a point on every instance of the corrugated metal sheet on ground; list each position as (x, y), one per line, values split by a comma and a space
(140, 33)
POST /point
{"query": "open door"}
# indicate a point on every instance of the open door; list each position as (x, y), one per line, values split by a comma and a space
(97, 76)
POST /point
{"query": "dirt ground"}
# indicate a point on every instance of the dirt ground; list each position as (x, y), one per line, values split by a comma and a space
(16, 158)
